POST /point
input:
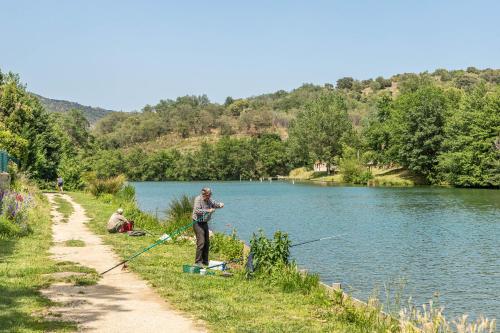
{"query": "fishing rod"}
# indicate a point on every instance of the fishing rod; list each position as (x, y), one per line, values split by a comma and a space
(163, 239)
(316, 240)
(250, 255)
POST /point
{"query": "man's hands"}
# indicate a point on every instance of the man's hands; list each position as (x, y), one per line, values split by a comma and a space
(211, 210)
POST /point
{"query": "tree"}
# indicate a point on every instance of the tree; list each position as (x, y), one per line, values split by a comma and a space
(377, 134)
(384, 83)
(24, 117)
(322, 128)
(418, 126)
(471, 156)
(229, 100)
(345, 83)
(238, 106)
(466, 81)
(77, 127)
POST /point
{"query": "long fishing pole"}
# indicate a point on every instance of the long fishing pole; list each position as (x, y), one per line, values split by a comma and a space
(162, 240)
(250, 256)
(316, 240)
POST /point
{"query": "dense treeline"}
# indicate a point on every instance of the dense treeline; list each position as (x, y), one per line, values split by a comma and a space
(447, 135)
(443, 126)
(228, 159)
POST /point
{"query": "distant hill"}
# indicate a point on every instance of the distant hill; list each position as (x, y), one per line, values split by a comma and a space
(93, 114)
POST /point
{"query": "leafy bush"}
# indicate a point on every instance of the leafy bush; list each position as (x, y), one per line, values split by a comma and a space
(353, 173)
(111, 185)
(270, 259)
(230, 247)
(352, 170)
(8, 229)
(268, 253)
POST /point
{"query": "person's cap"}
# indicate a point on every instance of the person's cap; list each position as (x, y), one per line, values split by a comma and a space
(119, 210)
(206, 190)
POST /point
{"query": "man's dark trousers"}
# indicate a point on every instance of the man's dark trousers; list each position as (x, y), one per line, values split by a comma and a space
(202, 242)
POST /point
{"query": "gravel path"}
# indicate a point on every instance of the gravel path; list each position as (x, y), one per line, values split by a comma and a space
(121, 301)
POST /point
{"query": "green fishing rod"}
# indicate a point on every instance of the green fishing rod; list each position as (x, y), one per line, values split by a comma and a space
(163, 239)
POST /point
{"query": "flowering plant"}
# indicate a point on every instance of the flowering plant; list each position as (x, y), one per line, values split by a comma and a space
(14, 208)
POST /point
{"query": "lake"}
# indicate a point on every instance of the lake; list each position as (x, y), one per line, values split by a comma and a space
(433, 241)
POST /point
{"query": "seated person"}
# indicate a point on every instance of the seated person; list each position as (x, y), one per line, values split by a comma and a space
(118, 223)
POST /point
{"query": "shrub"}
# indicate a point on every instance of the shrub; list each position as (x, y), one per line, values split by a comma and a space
(14, 210)
(268, 253)
(270, 260)
(179, 213)
(8, 229)
(230, 247)
(111, 185)
(388, 181)
(353, 172)
(301, 173)
(180, 208)
(107, 198)
(127, 193)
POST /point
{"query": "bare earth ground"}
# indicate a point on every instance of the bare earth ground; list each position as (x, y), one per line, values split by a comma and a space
(120, 301)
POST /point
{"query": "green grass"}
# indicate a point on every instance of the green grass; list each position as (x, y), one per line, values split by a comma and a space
(84, 276)
(395, 177)
(75, 243)
(382, 177)
(64, 207)
(229, 304)
(25, 268)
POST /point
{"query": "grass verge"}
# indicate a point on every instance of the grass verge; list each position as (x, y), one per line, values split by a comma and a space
(74, 243)
(25, 267)
(229, 304)
(63, 207)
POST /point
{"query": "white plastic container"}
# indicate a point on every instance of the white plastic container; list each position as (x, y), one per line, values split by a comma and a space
(220, 265)
(203, 271)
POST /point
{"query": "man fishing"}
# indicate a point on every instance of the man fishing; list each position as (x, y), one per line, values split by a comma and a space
(203, 208)
(118, 223)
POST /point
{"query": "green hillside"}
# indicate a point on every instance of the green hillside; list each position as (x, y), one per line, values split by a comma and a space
(92, 114)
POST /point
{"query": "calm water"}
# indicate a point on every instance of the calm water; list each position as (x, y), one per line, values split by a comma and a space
(434, 240)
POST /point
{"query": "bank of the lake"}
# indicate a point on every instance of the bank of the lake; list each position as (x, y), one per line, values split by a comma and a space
(234, 304)
(435, 241)
(395, 176)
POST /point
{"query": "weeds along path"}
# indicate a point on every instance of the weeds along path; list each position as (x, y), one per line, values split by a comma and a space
(120, 301)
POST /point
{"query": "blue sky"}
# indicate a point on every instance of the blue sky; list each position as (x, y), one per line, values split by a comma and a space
(125, 54)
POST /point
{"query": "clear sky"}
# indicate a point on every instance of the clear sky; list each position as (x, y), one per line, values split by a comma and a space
(124, 54)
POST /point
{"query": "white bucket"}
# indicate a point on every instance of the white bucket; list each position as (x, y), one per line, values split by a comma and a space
(203, 271)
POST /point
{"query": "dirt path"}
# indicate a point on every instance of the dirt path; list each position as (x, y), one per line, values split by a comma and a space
(121, 301)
